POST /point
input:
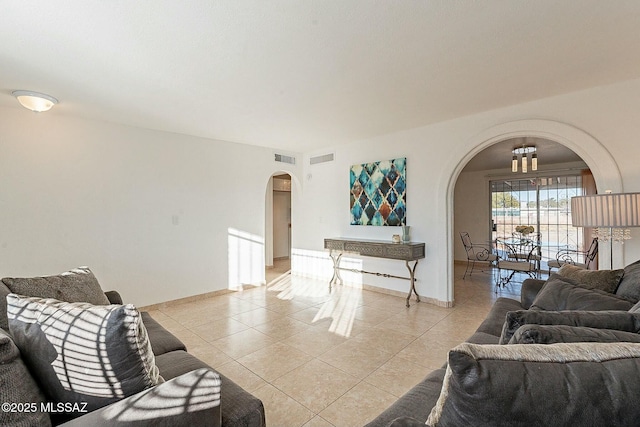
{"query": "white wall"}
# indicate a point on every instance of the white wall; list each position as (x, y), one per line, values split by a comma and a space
(471, 211)
(150, 212)
(600, 125)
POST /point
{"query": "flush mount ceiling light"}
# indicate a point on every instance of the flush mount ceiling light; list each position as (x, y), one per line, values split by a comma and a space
(524, 151)
(34, 101)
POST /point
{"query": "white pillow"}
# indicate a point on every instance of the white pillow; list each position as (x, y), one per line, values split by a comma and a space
(92, 355)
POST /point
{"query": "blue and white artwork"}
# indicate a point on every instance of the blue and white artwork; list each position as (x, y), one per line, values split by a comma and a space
(378, 193)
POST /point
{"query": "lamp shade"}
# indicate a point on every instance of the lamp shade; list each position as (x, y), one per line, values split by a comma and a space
(615, 210)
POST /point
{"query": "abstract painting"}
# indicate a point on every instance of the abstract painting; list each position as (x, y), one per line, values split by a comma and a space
(378, 193)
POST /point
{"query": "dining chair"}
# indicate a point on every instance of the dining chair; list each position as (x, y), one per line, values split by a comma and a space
(476, 252)
(519, 256)
(583, 259)
(522, 248)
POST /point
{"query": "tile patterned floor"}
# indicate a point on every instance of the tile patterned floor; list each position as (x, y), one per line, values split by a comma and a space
(320, 359)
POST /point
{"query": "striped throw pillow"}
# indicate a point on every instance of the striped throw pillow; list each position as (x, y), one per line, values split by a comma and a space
(89, 355)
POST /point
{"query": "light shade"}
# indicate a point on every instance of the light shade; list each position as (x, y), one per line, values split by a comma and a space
(35, 101)
(614, 210)
(524, 151)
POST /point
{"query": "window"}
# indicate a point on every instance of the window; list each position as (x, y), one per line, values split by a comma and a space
(544, 203)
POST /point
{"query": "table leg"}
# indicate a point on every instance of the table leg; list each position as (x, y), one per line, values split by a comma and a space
(336, 269)
(412, 274)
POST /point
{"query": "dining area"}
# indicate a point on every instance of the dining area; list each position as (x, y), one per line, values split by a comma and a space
(522, 254)
(508, 256)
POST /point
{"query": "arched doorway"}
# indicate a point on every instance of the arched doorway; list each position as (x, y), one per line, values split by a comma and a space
(278, 226)
(493, 196)
(602, 165)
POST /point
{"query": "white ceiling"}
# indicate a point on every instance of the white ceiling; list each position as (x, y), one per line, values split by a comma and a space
(303, 74)
(499, 156)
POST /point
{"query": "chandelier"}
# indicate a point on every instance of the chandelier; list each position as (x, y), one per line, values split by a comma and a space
(524, 152)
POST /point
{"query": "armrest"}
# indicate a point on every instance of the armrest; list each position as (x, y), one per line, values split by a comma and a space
(192, 399)
(406, 422)
(529, 291)
(114, 297)
(483, 253)
(569, 256)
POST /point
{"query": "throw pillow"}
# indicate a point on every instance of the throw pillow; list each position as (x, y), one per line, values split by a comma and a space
(77, 285)
(551, 334)
(635, 308)
(604, 280)
(560, 293)
(81, 353)
(4, 291)
(18, 388)
(613, 319)
(630, 284)
(493, 385)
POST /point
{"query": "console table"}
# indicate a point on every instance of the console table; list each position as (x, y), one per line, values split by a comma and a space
(406, 252)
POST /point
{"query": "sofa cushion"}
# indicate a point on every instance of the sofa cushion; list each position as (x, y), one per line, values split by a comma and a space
(192, 399)
(630, 284)
(417, 402)
(616, 320)
(551, 334)
(604, 280)
(483, 338)
(560, 293)
(77, 285)
(405, 422)
(239, 408)
(17, 386)
(4, 291)
(493, 385)
(492, 324)
(635, 308)
(529, 291)
(162, 341)
(82, 353)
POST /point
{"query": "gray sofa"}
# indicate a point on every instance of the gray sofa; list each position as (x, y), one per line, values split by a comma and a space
(192, 394)
(569, 314)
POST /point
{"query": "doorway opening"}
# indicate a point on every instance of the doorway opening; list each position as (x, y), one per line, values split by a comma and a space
(592, 155)
(278, 226)
(492, 201)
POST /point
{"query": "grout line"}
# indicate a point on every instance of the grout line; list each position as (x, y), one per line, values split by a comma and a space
(473, 295)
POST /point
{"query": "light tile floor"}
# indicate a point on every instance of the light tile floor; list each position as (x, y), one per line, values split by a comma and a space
(317, 358)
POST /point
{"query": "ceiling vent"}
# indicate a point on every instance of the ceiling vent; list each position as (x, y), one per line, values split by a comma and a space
(285, 159)
(321, 159)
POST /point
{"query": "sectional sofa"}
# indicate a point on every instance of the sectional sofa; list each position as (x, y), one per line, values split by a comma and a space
(566, 354)
(73, 355)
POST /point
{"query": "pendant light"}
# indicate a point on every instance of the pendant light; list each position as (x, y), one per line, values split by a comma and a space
(524, 151)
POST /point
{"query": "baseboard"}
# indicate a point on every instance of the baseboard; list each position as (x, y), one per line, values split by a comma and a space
(434, 301)
(178, 301)
(193, 298)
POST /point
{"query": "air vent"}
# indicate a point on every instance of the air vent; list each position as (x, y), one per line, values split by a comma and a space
(321, 159)
(285, 159)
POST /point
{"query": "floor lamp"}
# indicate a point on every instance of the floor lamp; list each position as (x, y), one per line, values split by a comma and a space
(610, 214)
